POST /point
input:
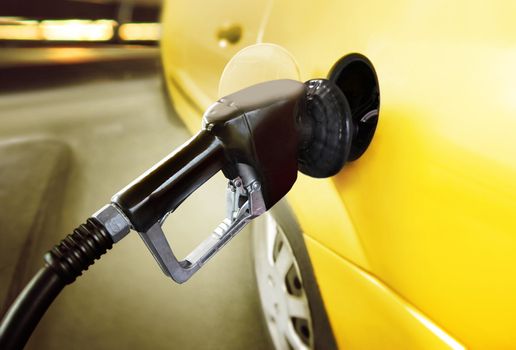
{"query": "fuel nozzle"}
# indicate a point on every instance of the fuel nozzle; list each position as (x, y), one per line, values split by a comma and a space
(280, 127)
(259, 137)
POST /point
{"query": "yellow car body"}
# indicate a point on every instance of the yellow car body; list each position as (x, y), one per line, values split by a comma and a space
(413, 245)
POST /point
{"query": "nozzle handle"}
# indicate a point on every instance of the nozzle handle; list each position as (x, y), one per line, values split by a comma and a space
(162, 188)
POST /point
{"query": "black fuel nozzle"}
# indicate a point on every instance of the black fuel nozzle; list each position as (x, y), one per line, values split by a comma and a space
(259, 137)
(273, 128)
(280, 127)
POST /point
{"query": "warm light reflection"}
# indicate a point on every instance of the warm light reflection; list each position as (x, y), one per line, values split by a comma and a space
(140, 31)
(29, 30)
(427, 323)
(452, 343)
(77, 30)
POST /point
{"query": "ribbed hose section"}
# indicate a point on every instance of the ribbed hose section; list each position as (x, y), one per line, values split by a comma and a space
(79, 250)
(64, 263)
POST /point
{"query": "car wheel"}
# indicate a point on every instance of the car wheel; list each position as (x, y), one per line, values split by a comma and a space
(292, 308)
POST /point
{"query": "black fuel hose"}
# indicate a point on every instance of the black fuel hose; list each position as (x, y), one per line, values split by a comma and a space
(64, 263)
(145, 201)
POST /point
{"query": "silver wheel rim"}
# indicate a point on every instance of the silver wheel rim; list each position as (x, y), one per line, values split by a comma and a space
(282, 296)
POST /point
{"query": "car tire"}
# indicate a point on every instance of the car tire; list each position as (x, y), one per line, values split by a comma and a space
(293, 311)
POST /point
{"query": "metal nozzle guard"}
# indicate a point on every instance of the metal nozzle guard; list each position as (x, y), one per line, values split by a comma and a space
(246, 191)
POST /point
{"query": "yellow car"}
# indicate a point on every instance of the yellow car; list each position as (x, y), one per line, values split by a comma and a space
(411, 246)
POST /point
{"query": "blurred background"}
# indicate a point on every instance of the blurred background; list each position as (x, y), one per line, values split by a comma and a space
(83, 111)
(31, 22)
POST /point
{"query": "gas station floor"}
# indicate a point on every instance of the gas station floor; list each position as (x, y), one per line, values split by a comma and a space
(112, 130)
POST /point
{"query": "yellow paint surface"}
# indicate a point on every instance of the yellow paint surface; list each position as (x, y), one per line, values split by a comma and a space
(430, 207)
